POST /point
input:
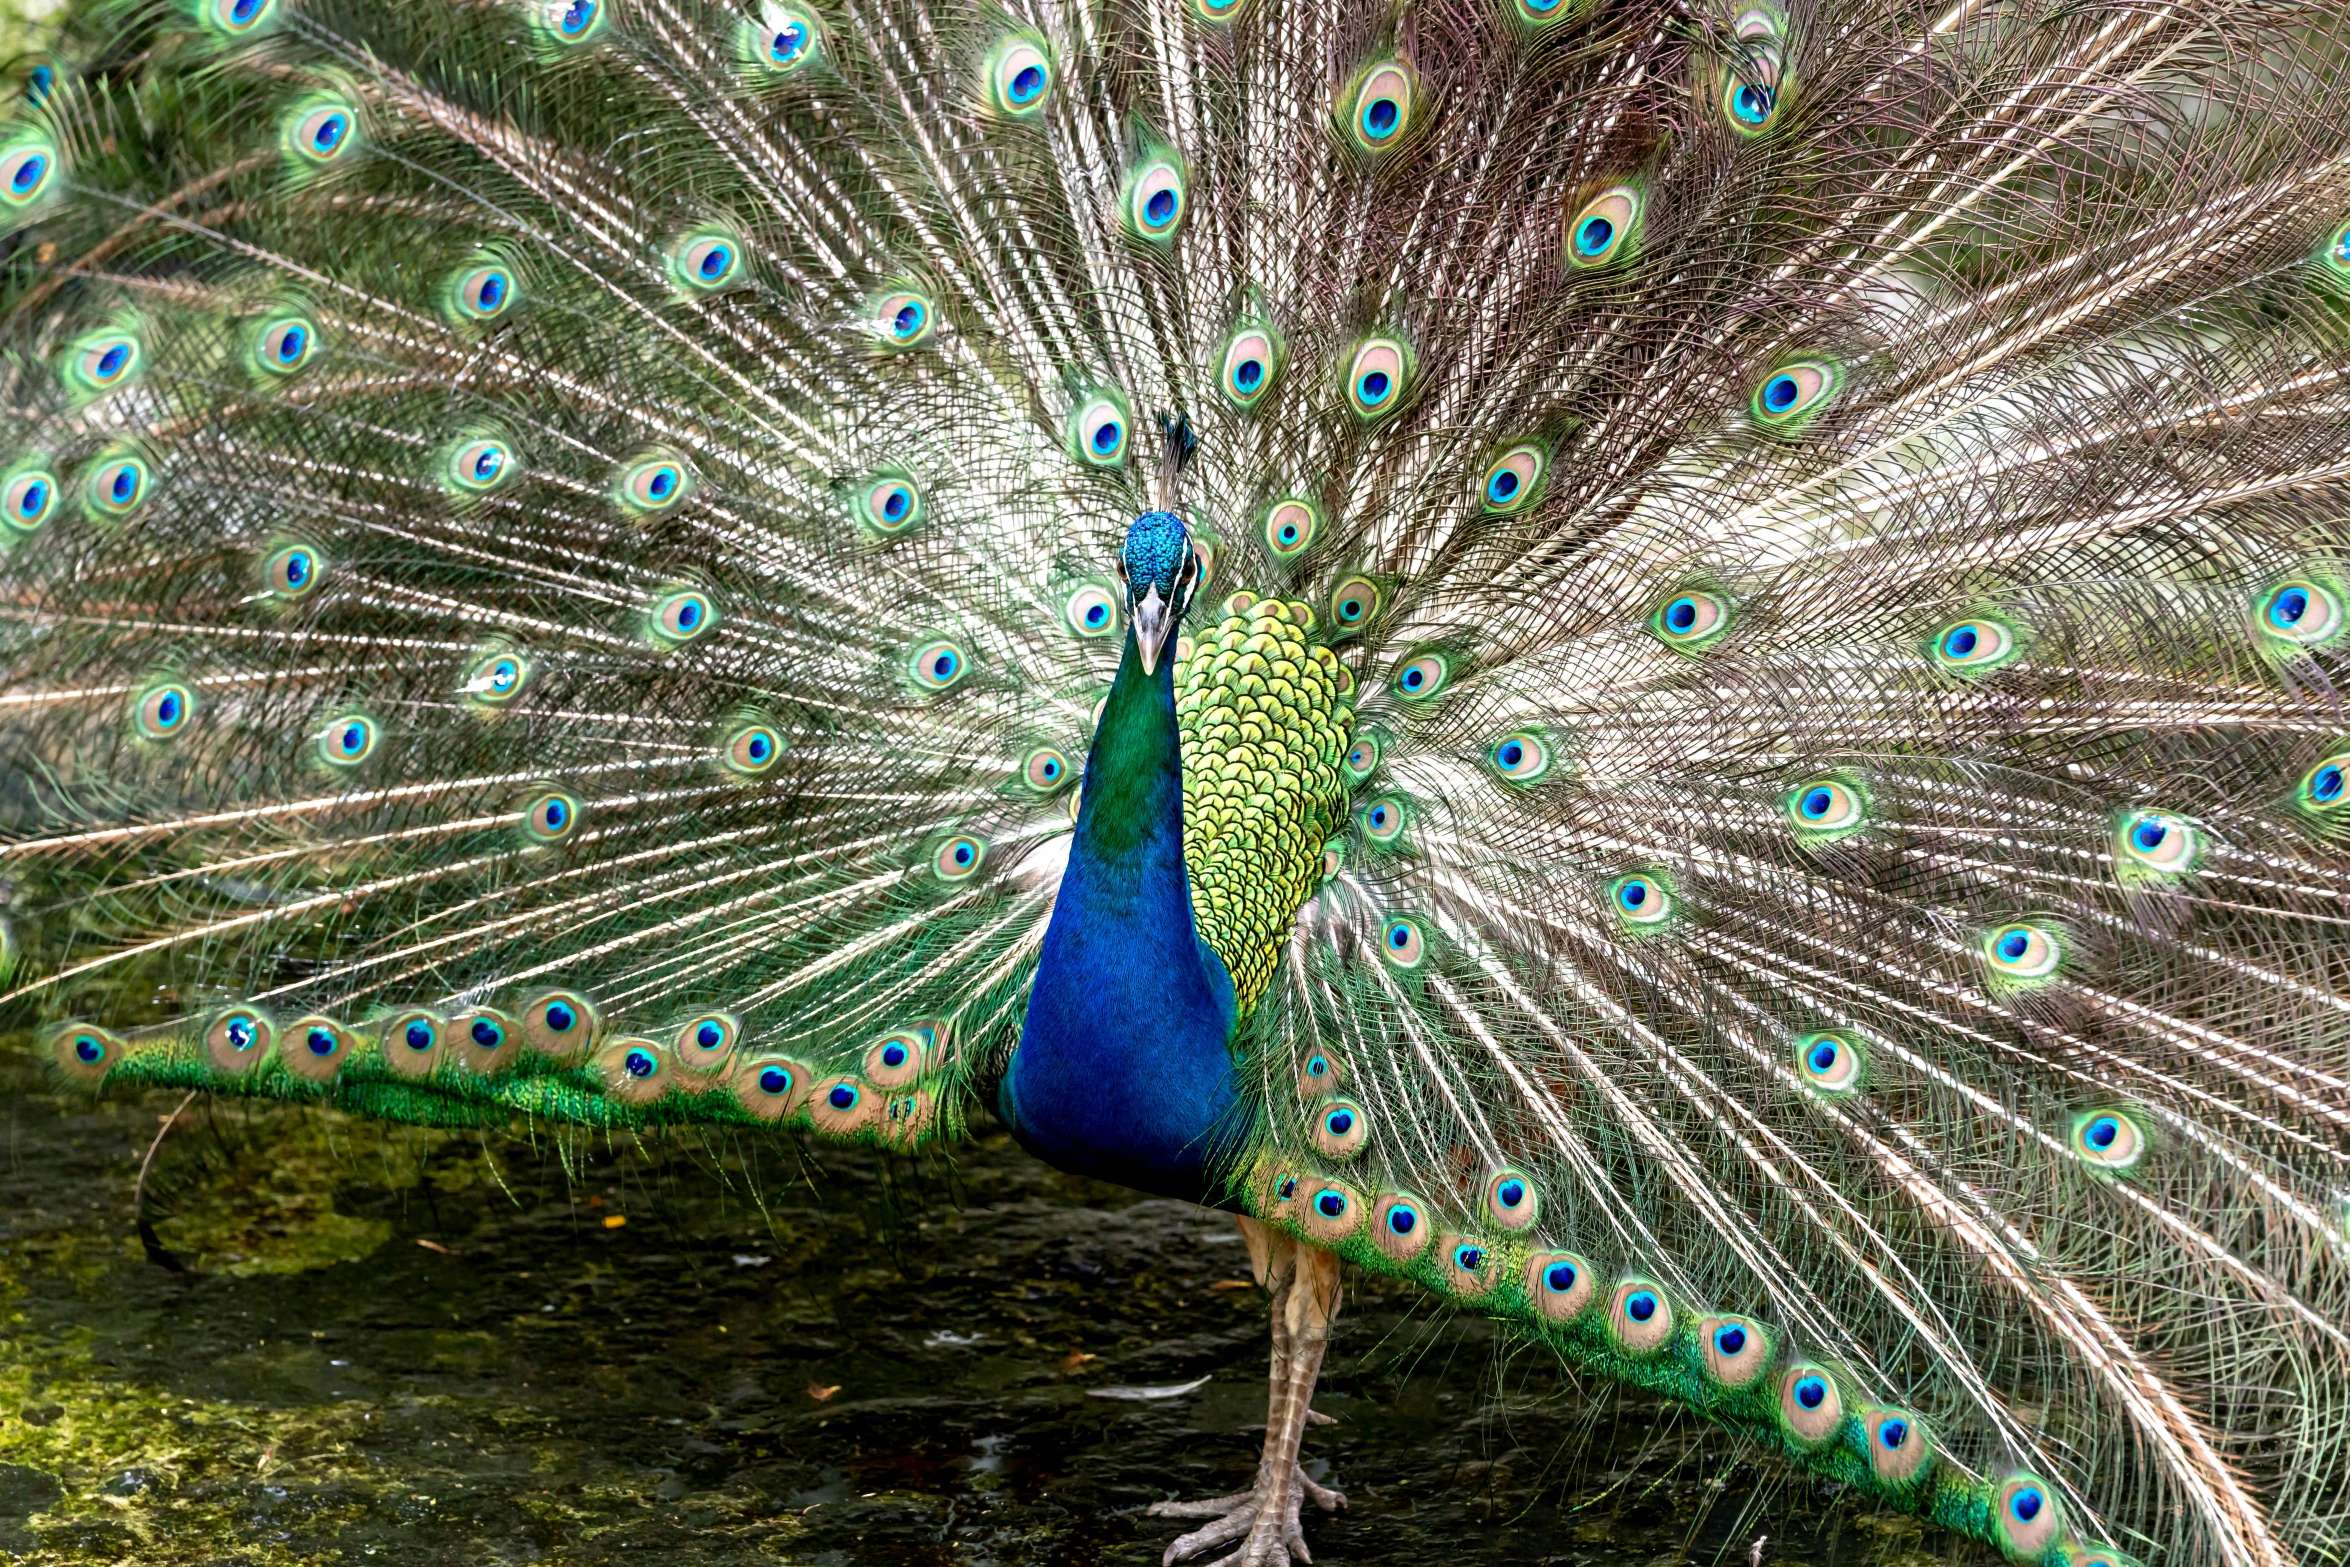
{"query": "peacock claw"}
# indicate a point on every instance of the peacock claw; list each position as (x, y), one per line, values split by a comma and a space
(1237, 1514)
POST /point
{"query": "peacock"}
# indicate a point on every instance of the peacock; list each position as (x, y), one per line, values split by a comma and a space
(1673, 666)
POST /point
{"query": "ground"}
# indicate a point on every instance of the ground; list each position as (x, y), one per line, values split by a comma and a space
(393, 1347)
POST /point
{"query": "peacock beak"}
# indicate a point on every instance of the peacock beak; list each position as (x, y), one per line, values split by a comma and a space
(1154, 619)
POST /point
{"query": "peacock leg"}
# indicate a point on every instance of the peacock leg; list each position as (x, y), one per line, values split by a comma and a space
(1303, 1281)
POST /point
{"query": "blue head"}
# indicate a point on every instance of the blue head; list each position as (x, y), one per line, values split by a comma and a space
(1161, 571)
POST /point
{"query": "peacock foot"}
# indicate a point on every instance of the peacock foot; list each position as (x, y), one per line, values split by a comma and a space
(1266, 1517)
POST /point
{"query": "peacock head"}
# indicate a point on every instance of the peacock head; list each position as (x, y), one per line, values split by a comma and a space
(1161, 571)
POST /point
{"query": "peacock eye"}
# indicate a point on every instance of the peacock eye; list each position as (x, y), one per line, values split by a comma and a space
(292, 572)
(1098, 433)
(752, 749)
(1291, 527)
(117, 486)
(1251, 360)
(1513, 480)
(2159, 841)
(1403, 943)
(2109, 1139)
(284, 345)
(2028, 1515)
(1383, 820)
(653, 484)
(106, 361)
(1602, 229)
(162, 712)
(484, 293)
(959, 858)
(1019, 76)
(2023, 951)
(905, 319)
(1809, 1404)
(1511, 1200)
(1353, 602)
(890, 504)
(551, 817)
(1156, 199)
(1375, 377)
(1691, 619)
(703, 1043)
(1520, 758)
(938, 665)
(1639, 1318)
(347, 740)
(706, 260)
(1044, 769)
(2303, 613)
(322, 133)
(25, 172)
(1091, 612)
(1830, 1063)
(1826, 807)
(1363, 756)
(1787, 394)
(1640, 900)
(1972, 646)
(498, 678)
(574, 21)
(481, 465)
(1423, 677)
(1340, 1130)
(28, 499)
(236, 17)
(781, 41)
(2325, 787)
(1751, 104)
(681, 617)
(1402, 1218)
(1381, 110)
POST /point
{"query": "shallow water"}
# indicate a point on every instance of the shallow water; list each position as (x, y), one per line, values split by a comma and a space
(391, 1346)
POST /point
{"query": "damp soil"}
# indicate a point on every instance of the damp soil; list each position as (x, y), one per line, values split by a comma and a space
(386, 1346)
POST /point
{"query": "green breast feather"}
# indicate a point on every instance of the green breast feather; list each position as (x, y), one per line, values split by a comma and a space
(1263, 716)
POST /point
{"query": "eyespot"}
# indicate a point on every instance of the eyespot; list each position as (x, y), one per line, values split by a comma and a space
(85, 1052)
(551, 817)
(704, 1043)
(2029, 1516)
(2302, 613)
(238, 1040)
(1375, 377)
(25, 172)
(1218, 10)
(237, 17)
(574, 21)
(937, 666)
(28, 500)
(753, 749)
(1811, 1408)
(1974, 645)
(479, 1040)
(1019, 76)
(1831, 1063)
(162, 712)
(1331, 1211)
(117, 486)
(2023, 951)
(1603, 229)
(890, 504)
(38, 83)
(1520, 758)
(1467, 1265)
(292, 571)
(1156, 200)
(1514, 479)
(322, 134)
(633, 1071)
(1736, 1351)
(484, 293)
(1383, 820)
(1640, 1319)
(770, 1087)
(1400, 1227)
(412, 1042)
(1340, 1129)
(841, 1107)
(1382, 108)
(1750, 105)
(1826, 808)
(498, 678)
(959, 858)
(706, 260)
(1318, 1074)
(1098, 433)
(653, 483)
(2159, 841)
(284, 345)
(781, 41)
(1560, 1284)
(314, 1048)
(1044, 769)
(1353, 602)
(1898, 1444)
(895, 1059)
(106, 361)
(1291, 527)
(481, 465)
(1362, 758)
(1510, 1200)
(1691, 619)
(348, 740)
(1790, 393)
(905, 319)
(1640, 900)
(2325, 787)
(560, 1024)
(2111, 1140)
(681, 617)
(1422, 677)
(1091, 612)
(1251, 361)
(1402, 943)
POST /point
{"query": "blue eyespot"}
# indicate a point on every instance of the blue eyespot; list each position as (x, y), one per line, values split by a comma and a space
(487, 1034)
(560, 1017)
(1288, 1187)
(1510, 1193)
(1593, 236)
(1893, 1433)
(1751, 103)
(1811, 1392)
(162, 711)
(1331, 1205)
(893, 1053)
(1107, 435)
(774, 1080)
(843, 1096)
(2328, 783)
(1780, 392)
(714, 263)
(908, 320)
(419, 1035)
(1729, 1339)
(87, 1050)
(789, 41)
(640, 1064)
(1340, 1122)
(1468, 1258)
(706, 259)
(1382, 105)
(322, 1041)
(1027, 83)
(1402, 1219)
(27, 171)
(1559, 1277)
(325, 134)
(937, 665)
(577, 18)
(1640, 1305)
(1960, 642)
(1318, 1066)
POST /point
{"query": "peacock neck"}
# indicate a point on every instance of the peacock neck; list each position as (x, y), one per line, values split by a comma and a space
(1124, 1069)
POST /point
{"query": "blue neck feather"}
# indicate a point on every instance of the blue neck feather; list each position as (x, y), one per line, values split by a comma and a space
(1124, 1070)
